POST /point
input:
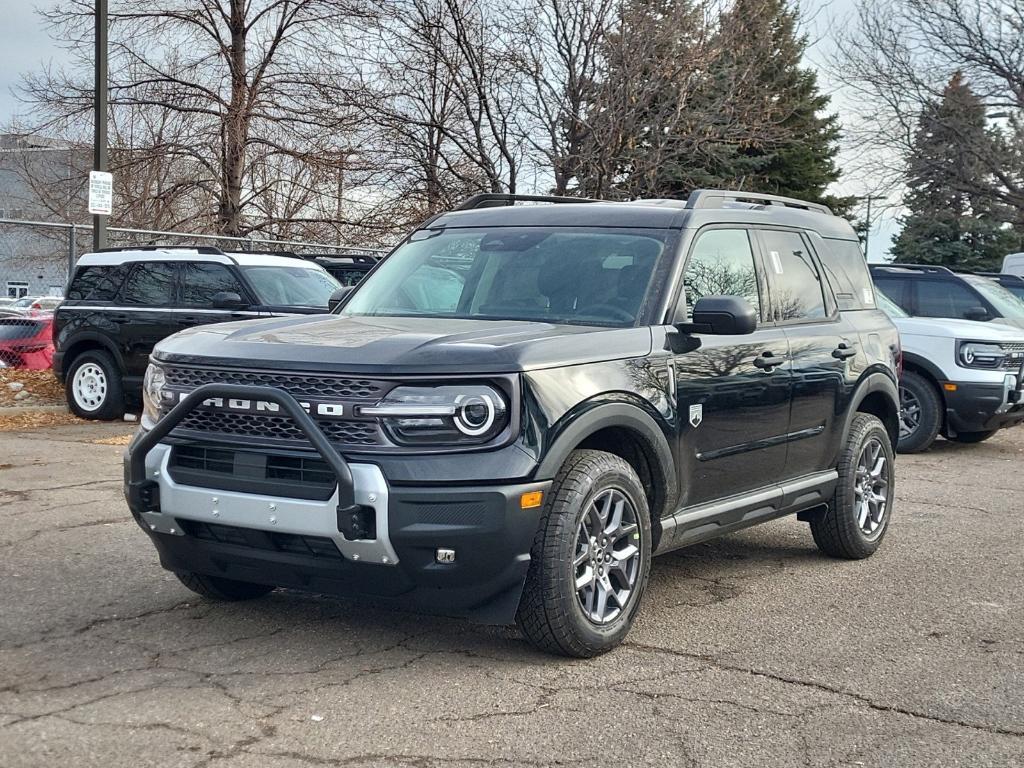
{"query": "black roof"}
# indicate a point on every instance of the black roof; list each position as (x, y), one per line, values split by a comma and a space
(702, 207)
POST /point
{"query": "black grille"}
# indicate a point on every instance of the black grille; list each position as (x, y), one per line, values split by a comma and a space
(313, 546)
(1010, 362)
(294, 475)
(296, 384)
(277, 428)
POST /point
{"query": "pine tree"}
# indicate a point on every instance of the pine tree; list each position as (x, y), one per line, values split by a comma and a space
(793, 142)
(953, 219)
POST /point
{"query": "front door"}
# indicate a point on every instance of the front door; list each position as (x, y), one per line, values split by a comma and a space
(732, 391)
(146, 313)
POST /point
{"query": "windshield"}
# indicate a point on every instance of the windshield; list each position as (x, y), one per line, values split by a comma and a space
(1005, 302)
(887, 305)
(1017, 289)
(547, 274)
(291, 286)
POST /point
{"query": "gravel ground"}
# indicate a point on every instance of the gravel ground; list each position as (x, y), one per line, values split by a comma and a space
(749, 651)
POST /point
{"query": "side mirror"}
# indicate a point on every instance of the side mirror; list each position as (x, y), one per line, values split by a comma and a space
(227, 300)
(338, 297)
(976, 313)
(721, 316)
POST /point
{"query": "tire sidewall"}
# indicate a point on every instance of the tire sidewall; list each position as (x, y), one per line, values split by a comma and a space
(846, 498)
(113, 403)
(566, 522)
(930, 421)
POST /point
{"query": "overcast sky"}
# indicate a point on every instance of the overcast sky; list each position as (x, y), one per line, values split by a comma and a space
(25, 46)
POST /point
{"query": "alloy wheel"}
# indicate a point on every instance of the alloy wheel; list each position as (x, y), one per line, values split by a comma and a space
(871, 487)
(607, 562)
(910, 413)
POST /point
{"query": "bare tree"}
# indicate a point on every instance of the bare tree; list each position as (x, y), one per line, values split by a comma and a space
(210, 84)
(899, 57)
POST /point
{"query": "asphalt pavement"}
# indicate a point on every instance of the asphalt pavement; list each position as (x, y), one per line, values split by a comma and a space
(753, 650)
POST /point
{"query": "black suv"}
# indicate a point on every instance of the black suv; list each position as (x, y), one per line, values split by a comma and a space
(122, 301)
(927, 291)
(348, 269)
(522, 404)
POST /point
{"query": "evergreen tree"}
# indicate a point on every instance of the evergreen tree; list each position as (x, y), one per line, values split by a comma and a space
(954, 218)
(793, 143)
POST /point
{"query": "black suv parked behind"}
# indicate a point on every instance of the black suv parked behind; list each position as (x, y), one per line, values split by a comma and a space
(122, 301)
(521, 405)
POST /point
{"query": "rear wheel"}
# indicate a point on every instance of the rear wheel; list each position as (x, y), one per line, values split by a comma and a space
(858, 517)
(93, 386)
(217, 588)
(590, 558)
(920, 413)
(972, 437)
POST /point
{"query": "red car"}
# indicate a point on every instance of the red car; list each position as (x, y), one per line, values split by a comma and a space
(26, 342)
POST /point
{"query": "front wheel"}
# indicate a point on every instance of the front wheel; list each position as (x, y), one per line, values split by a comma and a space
(972, 437)
(920, 413)
(861, 507)
(590, 558)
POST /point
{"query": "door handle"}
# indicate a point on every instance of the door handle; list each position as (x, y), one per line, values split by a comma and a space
(768, 361)
(844, 351)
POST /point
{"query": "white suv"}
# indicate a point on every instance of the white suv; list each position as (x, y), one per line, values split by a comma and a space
(961, 378)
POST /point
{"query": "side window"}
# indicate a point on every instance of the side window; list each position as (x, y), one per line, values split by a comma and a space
(895, 289)
(847, 272)
(945, 298)
(798, 291)
(200, 282)
(97, 283)
(150, 283)
(722, 264)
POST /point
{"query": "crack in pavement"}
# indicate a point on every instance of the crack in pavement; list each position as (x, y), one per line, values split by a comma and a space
(826, 688)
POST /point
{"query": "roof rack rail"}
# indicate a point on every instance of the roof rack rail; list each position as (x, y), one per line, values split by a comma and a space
(931, 268)
(208, 249)
(499, 199)
(716, 198)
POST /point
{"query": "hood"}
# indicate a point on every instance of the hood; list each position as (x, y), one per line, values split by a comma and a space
(385, 345)
(947, 328)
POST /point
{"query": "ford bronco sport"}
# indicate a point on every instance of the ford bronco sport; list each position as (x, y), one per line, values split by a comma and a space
(521, 405)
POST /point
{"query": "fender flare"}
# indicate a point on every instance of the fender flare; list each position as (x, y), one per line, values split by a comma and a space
(927, 365)
(869, 384)
(626, 416)
(92, 338)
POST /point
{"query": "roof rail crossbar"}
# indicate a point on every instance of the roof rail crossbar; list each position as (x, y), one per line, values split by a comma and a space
(499, 199)
(716, 198)
(935, 268)
(208, 249)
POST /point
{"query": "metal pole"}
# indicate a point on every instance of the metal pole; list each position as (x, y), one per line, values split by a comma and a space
(867, 233)
(99, 147)
(72, 251)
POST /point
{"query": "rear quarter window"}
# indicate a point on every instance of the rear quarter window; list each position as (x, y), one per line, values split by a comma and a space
(96, 283)
(847, 272)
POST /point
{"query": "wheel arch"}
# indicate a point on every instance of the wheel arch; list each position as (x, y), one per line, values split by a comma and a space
(878, 394)
(85, 342)
(631, 433)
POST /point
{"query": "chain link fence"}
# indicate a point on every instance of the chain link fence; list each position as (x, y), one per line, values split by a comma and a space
(38, 257)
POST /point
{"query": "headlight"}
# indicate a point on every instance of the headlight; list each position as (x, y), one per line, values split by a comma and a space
(470, 414)
(976, 354)
(152, 395)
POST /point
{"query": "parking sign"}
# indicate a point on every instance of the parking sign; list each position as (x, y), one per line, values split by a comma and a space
(101, 192)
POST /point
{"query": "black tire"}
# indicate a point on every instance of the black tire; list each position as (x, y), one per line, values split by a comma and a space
(217, 588)
(840, 531)
(916, 389)
(972, 437)
(551, 614)
(109, 402)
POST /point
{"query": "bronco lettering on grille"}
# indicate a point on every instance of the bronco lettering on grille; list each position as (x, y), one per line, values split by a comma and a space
(321, 410)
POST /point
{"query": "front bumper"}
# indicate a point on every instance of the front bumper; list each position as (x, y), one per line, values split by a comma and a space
(274, 538)
(975, 407)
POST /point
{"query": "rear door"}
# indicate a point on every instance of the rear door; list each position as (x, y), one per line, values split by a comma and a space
(146, 312)
(733, 391)
(822, 345)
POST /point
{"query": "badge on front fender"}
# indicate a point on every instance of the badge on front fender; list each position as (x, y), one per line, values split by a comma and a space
(696, 415)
